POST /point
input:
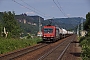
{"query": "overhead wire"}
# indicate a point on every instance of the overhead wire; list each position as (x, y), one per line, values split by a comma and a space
(34, 8)
(29, 8)
(39, 12)
(60, 8)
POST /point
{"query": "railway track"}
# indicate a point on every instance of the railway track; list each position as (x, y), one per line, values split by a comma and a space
(39, 52)
(57, 52)
(14, 55)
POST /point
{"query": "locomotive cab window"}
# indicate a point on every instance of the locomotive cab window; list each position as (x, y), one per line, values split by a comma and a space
(48, 30)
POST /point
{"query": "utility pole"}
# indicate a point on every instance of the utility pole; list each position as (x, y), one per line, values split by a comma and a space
(39, 25)
(78, 30)
(82, 32)
(39, 33)
(81, 24)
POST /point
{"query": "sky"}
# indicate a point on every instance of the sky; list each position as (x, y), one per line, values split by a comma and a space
(47, 8)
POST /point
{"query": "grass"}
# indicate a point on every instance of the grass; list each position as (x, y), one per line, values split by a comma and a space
(85, 44)
(7, 45)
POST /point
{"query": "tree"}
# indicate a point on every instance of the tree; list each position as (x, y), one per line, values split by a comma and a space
(87, 23)
(1, 29)
(11, 25)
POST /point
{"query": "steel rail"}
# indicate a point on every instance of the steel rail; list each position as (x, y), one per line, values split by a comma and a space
(22, 52)
(65, 50)
(45, 55)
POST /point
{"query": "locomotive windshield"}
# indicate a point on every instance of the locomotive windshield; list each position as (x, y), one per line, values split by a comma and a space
(48, 30)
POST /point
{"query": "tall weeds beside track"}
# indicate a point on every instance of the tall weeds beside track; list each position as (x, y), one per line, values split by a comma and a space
(8, 45)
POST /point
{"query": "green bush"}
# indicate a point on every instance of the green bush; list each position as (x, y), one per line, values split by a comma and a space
(9, 44)
(81, 39)
(85, 44)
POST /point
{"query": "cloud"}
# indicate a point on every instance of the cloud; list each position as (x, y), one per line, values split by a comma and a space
(68, 15)
(28, 13)
(22, 6)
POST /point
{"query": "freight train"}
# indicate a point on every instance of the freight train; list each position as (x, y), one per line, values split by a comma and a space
(52, 33)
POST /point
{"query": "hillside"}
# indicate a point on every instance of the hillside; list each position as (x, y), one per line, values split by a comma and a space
(67, 23)
(30, 24)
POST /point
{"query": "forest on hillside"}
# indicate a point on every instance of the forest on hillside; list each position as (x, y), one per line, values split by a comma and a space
(30, 24)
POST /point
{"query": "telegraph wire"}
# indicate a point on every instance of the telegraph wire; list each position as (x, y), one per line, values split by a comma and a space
(29, 8)
(59, 8)
(33, 7)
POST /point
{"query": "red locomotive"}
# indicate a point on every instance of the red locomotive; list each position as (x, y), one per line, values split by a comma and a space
(50, 33)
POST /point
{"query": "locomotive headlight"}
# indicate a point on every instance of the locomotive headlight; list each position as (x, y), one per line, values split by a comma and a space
(44, 36)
